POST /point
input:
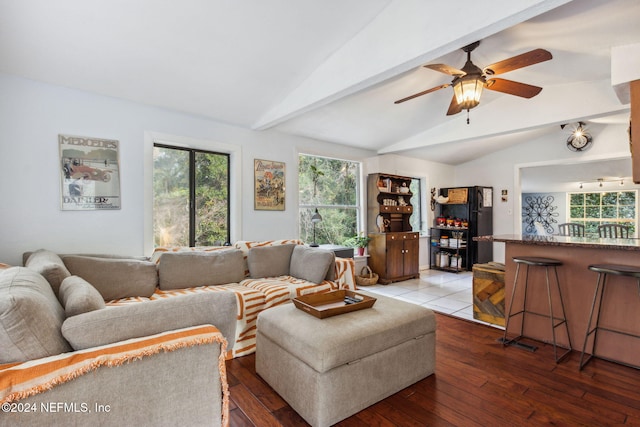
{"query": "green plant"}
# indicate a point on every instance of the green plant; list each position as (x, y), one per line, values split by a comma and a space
(359, 241)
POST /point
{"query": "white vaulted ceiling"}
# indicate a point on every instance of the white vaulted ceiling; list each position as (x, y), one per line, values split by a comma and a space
(330, 69)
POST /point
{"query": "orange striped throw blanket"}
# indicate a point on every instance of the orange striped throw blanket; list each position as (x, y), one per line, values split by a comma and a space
(21, 380)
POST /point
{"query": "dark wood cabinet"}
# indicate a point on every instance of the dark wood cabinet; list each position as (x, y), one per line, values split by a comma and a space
(394, 256)
(394, 247)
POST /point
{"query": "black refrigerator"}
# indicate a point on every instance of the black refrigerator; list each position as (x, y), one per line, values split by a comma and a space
(477, 209)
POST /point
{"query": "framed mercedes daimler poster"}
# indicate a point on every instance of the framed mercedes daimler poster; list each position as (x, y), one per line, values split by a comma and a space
(89, 173)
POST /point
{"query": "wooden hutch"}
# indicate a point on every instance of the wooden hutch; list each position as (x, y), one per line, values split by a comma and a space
(394, 247)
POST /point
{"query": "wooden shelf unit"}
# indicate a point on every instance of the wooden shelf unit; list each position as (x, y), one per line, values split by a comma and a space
(394, 247)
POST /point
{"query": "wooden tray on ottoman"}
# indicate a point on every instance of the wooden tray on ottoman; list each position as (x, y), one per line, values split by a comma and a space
(332, 303)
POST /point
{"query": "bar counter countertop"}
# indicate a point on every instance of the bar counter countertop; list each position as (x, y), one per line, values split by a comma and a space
(621, 310)
(566, 241)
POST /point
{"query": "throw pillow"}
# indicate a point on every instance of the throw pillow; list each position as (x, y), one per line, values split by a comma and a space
(30, 317)
(78, 296)
(50, 265)
(179, 270)
(115, 278)
(310, 264)
(269, 261)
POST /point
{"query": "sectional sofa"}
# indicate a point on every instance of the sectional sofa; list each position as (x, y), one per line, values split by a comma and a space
(95, 339)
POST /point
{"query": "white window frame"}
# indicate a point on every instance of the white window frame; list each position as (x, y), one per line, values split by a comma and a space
(605, 220)
(360, 226)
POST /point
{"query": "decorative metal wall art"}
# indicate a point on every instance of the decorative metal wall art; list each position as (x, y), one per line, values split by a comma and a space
(541, 210)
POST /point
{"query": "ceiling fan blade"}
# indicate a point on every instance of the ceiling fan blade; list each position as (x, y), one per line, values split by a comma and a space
(424, 92)
(513, 88)
(523, 60)
(447, 69)
(454, 107)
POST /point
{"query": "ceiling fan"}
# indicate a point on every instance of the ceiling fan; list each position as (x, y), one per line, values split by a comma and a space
(470, 80)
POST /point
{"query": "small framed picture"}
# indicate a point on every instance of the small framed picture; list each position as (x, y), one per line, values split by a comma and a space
(269, 185)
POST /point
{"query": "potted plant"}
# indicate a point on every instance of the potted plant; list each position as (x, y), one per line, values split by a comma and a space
(360, 241)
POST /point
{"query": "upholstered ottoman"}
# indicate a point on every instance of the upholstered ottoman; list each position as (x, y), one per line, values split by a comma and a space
(329, 369)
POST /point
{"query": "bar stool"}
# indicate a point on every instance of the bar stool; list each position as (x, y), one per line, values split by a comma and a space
(603, 270)
(546, 263)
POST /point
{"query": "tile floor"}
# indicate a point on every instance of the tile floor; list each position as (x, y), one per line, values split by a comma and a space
(443, 292)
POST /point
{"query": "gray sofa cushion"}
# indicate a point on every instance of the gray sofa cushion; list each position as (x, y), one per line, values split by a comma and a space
(78, 296)
(310, 264)
(50, 265)
(179, 270)
(115, 278)
(269, 261)
(136, 320)
(30, 317)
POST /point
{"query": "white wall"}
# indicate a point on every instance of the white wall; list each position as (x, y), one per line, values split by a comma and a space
(501, 170)
(32, 114)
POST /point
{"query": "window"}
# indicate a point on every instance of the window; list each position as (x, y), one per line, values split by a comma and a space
(416, 217)
(332, 187)
(190, 197)
(593, 209)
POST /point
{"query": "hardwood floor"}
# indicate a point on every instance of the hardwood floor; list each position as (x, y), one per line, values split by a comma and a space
(477, 383)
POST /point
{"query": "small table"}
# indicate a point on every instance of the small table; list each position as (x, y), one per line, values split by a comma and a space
(340, 251)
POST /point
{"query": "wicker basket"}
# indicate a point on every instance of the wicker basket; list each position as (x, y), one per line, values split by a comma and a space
(366, 277)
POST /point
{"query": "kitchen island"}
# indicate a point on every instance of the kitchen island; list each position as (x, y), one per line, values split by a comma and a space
(621, 310)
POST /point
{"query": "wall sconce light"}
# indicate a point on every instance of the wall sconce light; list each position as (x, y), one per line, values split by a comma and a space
(315, 218)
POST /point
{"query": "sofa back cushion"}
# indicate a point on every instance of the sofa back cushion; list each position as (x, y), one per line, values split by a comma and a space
(115, 278)
(78, 296)
(246, 245)
(30, 317)
(311, 264)
(269, 261)
(179, 270)
(50, 265)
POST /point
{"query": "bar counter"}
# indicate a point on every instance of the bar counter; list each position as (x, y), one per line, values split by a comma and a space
(621, 310)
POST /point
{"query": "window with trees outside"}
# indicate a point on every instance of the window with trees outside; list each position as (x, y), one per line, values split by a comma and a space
(595, 208)
(332, 187)
(190, 197)
(415, 220)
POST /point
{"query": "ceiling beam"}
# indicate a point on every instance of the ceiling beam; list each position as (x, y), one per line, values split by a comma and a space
(405, 35)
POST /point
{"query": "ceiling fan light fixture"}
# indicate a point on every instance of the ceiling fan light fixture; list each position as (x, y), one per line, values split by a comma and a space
(468, 90)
